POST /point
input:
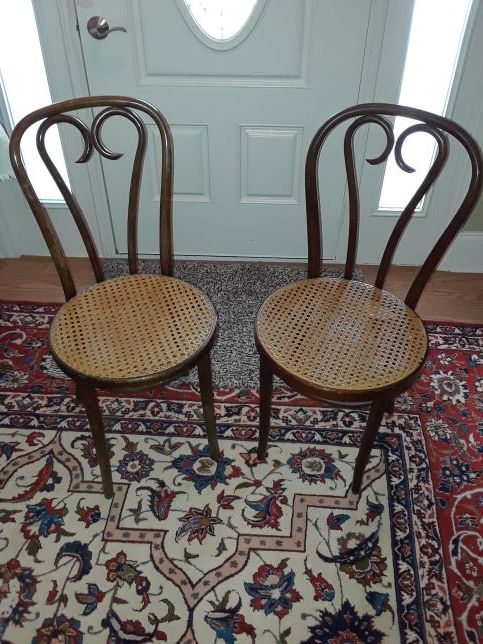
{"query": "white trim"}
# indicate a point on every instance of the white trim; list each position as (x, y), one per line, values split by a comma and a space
(465, 255)
(261, 259)
(466, 107)
(9, 245)
(9, 239)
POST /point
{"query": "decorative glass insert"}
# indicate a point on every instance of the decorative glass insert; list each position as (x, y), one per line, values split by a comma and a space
(437, 31)
(24, 84)
(221, 19)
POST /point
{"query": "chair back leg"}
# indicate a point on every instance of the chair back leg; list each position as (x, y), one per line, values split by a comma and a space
(373, 423)
(266, 387)
(207, 400)
(89, 398)
(390, 406)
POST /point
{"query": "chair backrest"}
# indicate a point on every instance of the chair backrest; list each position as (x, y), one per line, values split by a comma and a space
(439, 127)
(130, 109)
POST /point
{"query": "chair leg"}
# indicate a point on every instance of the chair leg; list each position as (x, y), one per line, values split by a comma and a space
(266, 386)
(77, 394)
(374, 421)
(390, 406)
(89, 398)
(207, 400)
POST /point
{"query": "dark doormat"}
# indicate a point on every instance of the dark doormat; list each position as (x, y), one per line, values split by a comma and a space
(237, 290)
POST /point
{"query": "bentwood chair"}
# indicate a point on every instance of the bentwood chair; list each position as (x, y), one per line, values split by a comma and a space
(345, 342)
(133, 332)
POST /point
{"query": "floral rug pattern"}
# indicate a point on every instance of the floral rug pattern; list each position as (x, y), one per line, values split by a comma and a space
(190, 550)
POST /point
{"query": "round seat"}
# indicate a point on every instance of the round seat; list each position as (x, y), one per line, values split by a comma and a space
(342, 338)
(133, 328)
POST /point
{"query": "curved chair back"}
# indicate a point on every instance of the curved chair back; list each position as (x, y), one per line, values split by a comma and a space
(131, 109)
(437, 126)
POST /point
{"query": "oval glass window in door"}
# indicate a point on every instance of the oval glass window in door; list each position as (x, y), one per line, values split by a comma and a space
(221, 24)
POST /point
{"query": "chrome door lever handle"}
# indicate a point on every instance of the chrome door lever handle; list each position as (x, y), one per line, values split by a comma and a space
(98, 27)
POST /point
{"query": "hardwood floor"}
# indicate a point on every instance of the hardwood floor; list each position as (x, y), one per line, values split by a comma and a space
(454, 297)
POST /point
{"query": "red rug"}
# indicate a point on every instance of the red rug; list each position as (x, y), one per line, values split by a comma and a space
(190, 550)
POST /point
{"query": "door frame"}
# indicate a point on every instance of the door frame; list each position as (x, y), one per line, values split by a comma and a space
(465, 105)
(58, 32)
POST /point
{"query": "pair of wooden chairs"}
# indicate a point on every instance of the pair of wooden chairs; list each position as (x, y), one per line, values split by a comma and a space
(340, 341)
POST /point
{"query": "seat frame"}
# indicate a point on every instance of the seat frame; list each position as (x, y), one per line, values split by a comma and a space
(372, 113)
(128, 108)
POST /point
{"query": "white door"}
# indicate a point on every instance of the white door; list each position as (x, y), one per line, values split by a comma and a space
(242, 112)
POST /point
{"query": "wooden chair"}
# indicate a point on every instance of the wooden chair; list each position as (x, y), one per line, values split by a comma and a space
(128, 333)
(345, 342)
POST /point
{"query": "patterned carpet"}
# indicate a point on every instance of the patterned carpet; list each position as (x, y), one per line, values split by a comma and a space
(193, 551)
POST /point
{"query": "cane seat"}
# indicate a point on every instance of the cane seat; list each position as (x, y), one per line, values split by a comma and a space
(339, 335)
(132, 327)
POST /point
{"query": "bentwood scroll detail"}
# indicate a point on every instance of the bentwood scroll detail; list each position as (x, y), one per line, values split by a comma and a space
(436, 126)
(92, 138)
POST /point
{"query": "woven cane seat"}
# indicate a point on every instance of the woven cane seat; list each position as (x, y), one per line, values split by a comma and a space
(132, 328)
(339, 335)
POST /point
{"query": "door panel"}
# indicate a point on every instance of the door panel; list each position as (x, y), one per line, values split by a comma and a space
(160, 30)
(242, 118)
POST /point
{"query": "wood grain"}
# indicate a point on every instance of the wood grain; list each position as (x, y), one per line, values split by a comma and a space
(454, 297)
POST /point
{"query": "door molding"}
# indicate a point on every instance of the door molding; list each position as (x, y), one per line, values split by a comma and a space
(297, 80)
(9, 243)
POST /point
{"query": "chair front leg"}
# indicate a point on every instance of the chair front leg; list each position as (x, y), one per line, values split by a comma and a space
(207, 400)
(373, 423)
(88, 397)
(390, 405)
(77, 394)
(266, 387)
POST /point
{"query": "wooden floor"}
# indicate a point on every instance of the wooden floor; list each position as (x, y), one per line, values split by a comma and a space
(454, 297)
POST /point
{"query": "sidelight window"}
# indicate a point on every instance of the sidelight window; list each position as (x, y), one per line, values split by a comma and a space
(24, 87)
(436, 35)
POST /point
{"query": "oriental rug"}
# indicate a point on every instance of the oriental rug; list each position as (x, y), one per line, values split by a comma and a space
(190, 550)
